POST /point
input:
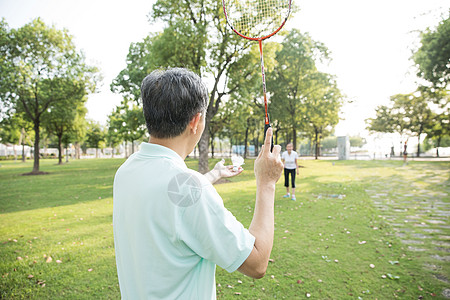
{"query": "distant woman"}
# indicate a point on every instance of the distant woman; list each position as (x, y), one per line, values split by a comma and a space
(289, 158)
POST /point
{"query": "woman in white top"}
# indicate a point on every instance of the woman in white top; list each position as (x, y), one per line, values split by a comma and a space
(289, 158)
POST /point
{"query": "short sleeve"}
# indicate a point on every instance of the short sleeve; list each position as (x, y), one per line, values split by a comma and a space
(213, 233)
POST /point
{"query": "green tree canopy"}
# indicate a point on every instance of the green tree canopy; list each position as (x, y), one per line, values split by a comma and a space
(408, 114)
(40, 67)
(196, 37)
(126, 123)
(302, 98)
(433, 56)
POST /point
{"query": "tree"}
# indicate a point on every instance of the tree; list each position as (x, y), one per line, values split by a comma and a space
(390, 118)
(433, 56)
(357, 141)
(412, 114)
(63, 116)
(127, 121)
(439, 129)
(294, 79)
(95, 135)
(419, 113)
(322, 107)
(39, 68)
(195, 37)
(11, 132)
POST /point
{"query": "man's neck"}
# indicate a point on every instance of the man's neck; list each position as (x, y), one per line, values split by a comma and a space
(177, 144)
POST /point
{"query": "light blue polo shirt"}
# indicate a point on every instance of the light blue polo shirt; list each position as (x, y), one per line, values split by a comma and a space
(171, 229)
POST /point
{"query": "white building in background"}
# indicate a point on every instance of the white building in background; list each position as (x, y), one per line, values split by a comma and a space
(8, 149)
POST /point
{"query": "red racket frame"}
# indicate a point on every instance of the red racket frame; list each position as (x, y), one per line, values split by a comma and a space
(260, 39)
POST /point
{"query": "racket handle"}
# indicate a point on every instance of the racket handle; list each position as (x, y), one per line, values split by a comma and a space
(267, 126)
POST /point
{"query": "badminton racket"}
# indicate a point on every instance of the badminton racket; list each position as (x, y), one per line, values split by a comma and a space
(257, 20)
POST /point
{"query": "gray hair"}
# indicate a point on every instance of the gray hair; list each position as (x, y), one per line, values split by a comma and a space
(171, 98)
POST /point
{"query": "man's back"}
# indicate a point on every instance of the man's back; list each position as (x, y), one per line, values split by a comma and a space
(171, 229)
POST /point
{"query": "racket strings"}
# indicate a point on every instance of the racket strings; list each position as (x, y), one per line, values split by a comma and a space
(256, 18)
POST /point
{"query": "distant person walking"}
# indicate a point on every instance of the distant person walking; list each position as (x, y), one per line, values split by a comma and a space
(289, 158)
(405, 153)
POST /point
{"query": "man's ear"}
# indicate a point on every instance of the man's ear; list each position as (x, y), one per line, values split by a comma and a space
(193, 124)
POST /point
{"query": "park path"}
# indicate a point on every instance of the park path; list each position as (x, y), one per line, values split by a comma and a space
(415, 203)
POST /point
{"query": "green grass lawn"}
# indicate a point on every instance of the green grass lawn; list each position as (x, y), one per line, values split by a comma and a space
(335, 242)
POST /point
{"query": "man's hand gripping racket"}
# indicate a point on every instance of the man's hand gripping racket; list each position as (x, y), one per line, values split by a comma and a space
(268, 164)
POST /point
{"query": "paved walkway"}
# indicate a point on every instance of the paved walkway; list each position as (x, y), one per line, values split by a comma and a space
(417, 205)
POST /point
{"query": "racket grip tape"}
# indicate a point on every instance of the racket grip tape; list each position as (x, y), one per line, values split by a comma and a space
(267, 126)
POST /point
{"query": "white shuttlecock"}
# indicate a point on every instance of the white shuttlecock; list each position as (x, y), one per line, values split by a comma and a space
(237, 161)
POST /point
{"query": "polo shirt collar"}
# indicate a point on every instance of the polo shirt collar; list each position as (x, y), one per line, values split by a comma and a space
(155, 150)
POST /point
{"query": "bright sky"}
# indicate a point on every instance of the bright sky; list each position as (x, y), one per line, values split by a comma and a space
(370, 42)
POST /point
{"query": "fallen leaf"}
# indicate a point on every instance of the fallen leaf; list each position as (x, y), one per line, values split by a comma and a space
(383, 276)
(30, 276)
(336, 261)
(272, 276)
(308, 295)
(420, 288)
(433, 294)
(19, 258)
(237, 293)
(58, 261)
(239, 281)
(49, 259)
(90, 270)
(372, 266)
(299, 281)
(320, 280)
(271, 260)
(362, 242)
(393, 276)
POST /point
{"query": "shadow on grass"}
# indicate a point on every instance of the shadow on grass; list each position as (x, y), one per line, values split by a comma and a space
(79, 181)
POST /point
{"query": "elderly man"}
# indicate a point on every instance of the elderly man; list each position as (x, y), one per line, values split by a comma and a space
(171, 228)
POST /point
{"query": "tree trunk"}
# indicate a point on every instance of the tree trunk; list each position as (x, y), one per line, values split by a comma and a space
(294, 138)
(212, 146)
(126, 150)
(418, 145)
(276, 136)
(245, 143)
(77, 150)
(59, 149)
(438, 145)
(96, 152)
(316, 140)
(36, 147)
(203, 148)
(132, 147)
(22, 141)
(24, 158)
(15, 152)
